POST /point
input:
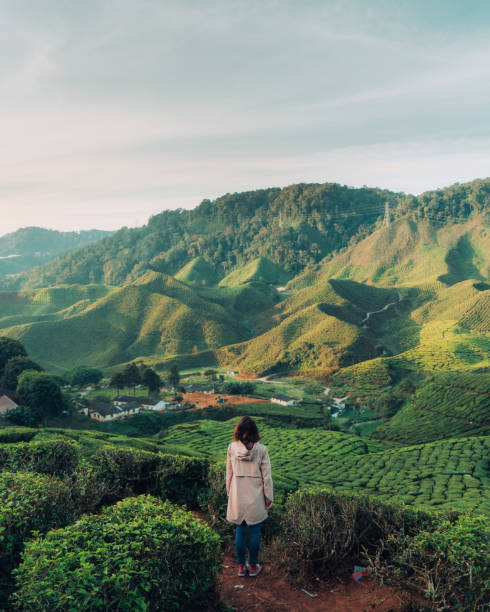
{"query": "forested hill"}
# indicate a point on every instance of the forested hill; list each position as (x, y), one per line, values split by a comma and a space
(29, 247)
(295, 226)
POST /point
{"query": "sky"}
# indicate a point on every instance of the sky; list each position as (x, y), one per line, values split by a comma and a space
(111, 111)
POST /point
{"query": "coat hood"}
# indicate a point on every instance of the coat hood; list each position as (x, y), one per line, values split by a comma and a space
(243, 454)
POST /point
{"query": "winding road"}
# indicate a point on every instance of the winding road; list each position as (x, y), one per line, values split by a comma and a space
(368, 314)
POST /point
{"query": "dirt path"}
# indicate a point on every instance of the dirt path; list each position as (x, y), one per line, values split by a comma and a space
(270, 591)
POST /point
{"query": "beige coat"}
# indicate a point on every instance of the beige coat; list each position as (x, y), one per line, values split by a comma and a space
(248, 483)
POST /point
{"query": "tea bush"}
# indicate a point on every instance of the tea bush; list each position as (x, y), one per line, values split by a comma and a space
(450, 563)
(323, 530)
(119, 472)
(17, 434)
(28, 502)
(182, 479)
(140, 554)
(57, 457)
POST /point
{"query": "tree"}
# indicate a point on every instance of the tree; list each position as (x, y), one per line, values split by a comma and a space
(14, 368)
(23, 415)
(131, 375)
(41, 392)
(118, 381)
(10, 348)
(151, 380)
(84, 375)
(174, 376)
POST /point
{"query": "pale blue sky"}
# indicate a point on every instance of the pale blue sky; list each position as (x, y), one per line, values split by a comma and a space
(111, 111)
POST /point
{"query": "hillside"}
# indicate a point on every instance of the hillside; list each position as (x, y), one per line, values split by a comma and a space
(446, 474)
(29, 247)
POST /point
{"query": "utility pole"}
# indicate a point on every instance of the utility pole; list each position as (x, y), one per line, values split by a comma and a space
(386, 220)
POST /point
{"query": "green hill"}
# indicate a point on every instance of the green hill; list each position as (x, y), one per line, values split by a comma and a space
(260, 269)
(198, 272)
(411, 252)
(29, 247)
(155, 315)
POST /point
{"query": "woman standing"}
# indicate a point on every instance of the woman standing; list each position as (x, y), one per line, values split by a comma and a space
(250, 492)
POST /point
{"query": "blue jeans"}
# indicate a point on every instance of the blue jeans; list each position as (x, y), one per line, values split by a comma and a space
(253, 544)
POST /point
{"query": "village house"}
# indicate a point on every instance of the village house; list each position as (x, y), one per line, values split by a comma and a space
(6, 404)
(161, 406)
(284, 400)
(104, 411)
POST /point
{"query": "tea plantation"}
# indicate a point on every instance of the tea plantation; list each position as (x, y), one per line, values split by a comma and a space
(448, 474)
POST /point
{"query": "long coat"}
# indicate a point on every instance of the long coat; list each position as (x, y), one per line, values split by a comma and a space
(248, 483)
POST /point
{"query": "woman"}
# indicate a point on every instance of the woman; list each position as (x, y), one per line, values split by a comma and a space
(250, 492)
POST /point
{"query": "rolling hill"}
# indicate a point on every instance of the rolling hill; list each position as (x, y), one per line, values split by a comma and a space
(29, 247)
(201, 286)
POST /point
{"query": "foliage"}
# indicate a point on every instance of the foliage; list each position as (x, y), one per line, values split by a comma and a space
(58, 457)
(119, 472)
(103, 562)
(150, 379)
(443, 474)
(14, 368)
(323, 530)
(237, 388)
(131, 375)
(28, 503)
(23, 415)
(444, 405)
(173, 376)
(40, 391)
(451, 563)
(17, 434)
(10, 348)
(84, 375)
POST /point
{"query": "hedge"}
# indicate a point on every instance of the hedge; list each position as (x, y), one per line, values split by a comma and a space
(451, 563)
(28, 502)
(324, 530)
(446, 556)
(140, 554)
(17, 434)
(57, 457)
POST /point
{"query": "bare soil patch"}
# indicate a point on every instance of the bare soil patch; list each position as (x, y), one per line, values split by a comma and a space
(203, 399)
(271, 591)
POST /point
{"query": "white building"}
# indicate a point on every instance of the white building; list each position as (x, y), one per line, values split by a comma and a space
(283, 400)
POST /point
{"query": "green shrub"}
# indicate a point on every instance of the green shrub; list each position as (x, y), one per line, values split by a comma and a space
(120, 472)
(323, 530)
(213, 499)
(28, 502)
(17, 434)
(450, 563)
(47, 457)
(182, 479)
(140, 554)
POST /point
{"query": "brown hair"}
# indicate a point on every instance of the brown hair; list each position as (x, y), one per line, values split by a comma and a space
(248, 426)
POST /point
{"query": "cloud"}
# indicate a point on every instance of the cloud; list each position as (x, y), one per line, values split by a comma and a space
(111, 107)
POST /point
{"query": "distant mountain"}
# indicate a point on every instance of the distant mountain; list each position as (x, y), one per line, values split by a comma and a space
(276, 280)
(295, 228)
(29, 247)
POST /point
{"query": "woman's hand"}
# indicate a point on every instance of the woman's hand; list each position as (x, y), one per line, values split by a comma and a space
(268, 503)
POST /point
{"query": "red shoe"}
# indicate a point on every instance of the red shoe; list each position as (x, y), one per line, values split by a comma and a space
(254, 569)
(243, 569)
